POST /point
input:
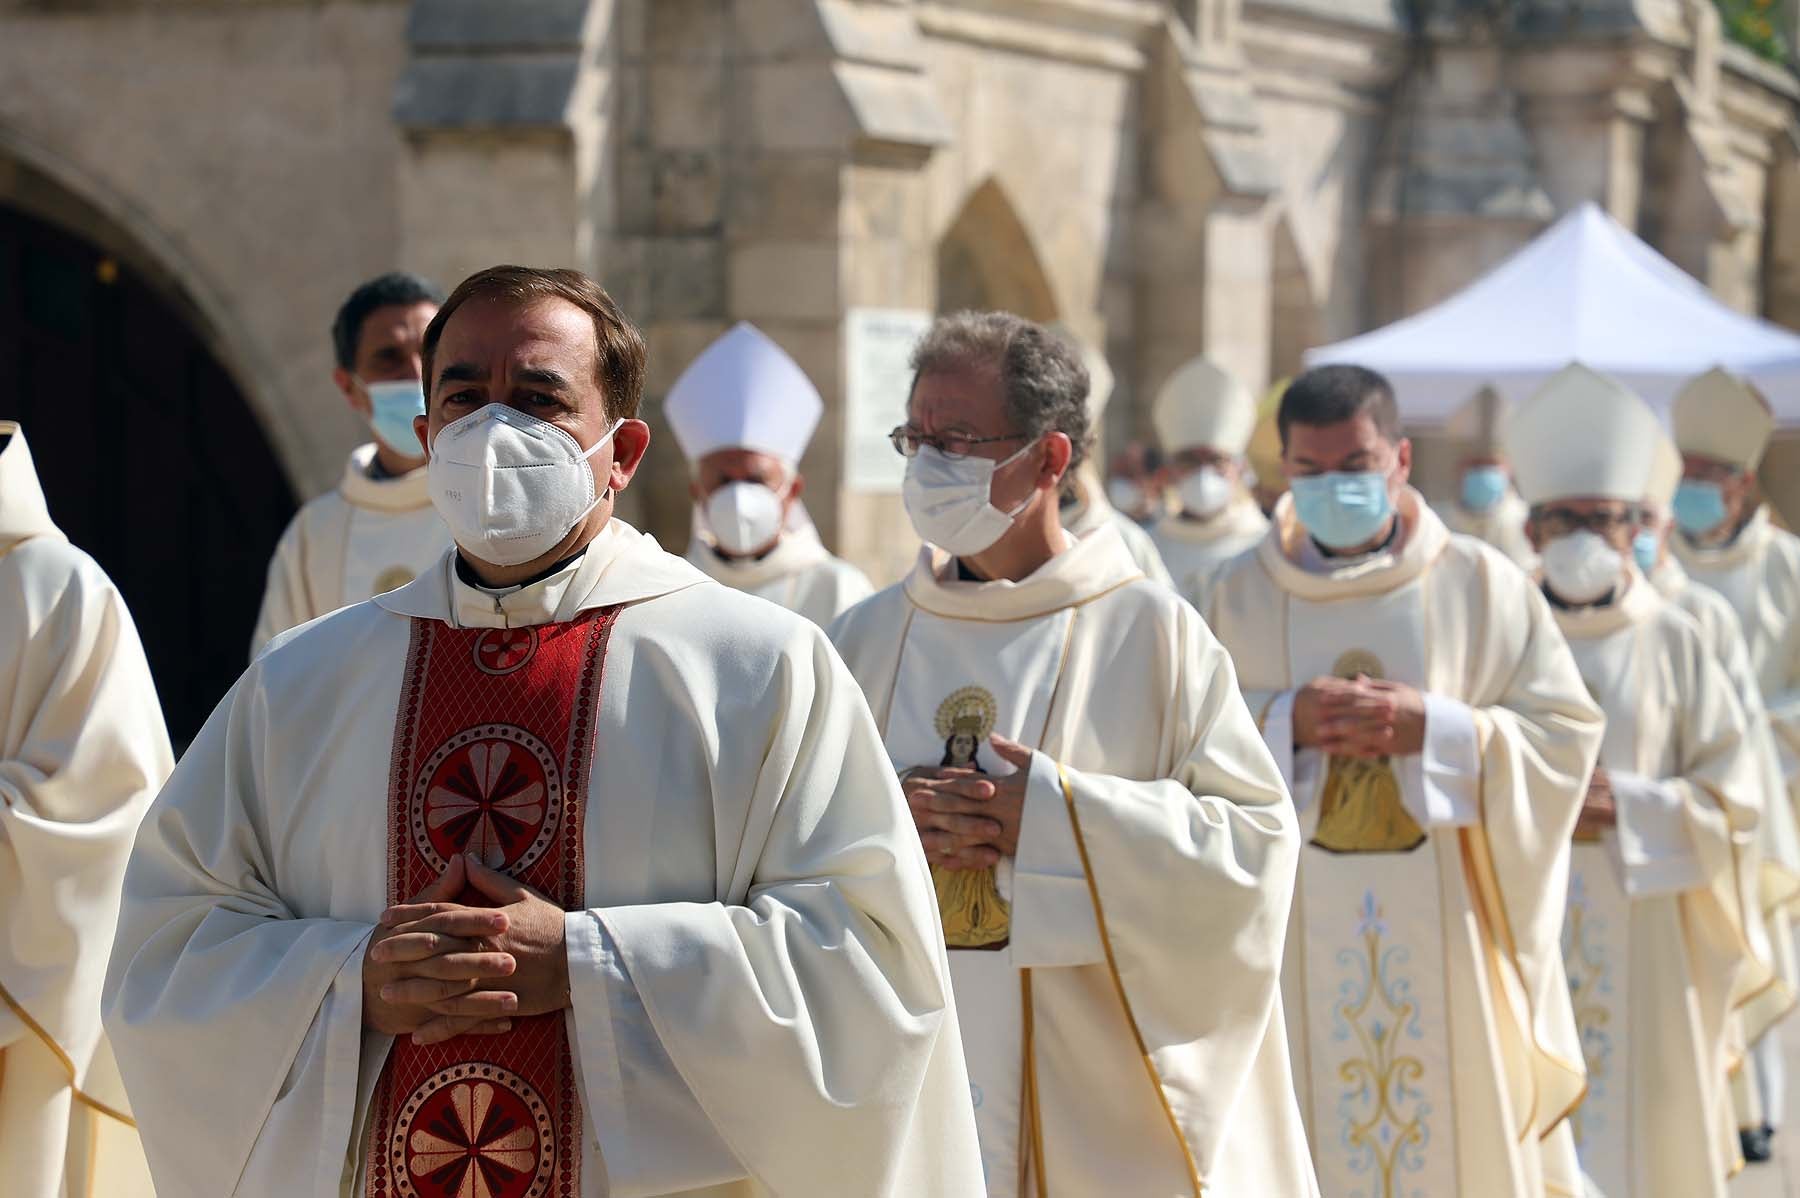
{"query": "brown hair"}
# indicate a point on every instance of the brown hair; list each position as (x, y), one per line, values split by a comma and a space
(619, 365)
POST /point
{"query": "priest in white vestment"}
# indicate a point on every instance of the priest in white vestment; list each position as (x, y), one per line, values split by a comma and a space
(743, 413)
(377, 530)
(1204, 417)
(1112, 846)
(1725, 540)
(1438, 740)
(562, 870)
(1487, 505)
(82, 752)
(1085, 505)
(1663, 940)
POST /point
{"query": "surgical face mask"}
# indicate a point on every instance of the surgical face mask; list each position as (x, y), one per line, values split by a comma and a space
(1483, 487)
(392, 407)
(511, 486)
(950, 502)
(1582, 567)
(1342, 511)
(1700, 506)
(1205, 492)
(1646, 549)
(744, 516)
(1125, 494)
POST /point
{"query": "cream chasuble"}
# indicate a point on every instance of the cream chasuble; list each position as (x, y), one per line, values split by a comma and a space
(1118, 988)
(1194, 550)
(1657, 942)
(1429, 1018)
(367, 536)
(1503, 527)
(1091, 510)
(82, 752)
(798, 574)
(760, 1001)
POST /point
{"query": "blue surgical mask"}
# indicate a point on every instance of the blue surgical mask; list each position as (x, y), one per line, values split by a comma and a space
(1342, 511)
(1700, 506)
(392, 407)
(1483, 487)
(1646, 548)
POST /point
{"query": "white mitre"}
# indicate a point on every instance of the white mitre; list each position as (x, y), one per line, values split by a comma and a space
(1722, 417)
(1582, 436)
(744, 392)
(1479, 426)
(1204, 405)
(1665, 475)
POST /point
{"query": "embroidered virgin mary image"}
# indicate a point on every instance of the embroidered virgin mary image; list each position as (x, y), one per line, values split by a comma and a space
(974, 913)
(1360, 809)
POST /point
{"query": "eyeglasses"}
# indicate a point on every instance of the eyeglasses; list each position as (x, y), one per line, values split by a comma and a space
(1562, 522)
(908, 440)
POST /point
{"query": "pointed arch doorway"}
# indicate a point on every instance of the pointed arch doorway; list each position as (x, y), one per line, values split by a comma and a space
(149, 457)
(986, 261)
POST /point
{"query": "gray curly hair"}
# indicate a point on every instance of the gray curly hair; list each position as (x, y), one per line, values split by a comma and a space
(1041, 375)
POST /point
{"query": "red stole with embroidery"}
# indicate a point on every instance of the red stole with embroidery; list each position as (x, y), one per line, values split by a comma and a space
(491, 756)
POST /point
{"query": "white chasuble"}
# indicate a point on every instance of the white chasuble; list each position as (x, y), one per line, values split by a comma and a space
(82, 752)
(363, 538)
(798, 574)
(1503, 527)
(1194, 550)
(1434, 1045)
(1090, 511)
(1153, 866)
(759, 1000)
(1662, 927)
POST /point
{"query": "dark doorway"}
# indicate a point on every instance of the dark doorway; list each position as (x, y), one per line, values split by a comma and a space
(150, 459)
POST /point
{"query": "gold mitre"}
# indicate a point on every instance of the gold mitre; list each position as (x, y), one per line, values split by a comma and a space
(1203, 404)
(1720, 416)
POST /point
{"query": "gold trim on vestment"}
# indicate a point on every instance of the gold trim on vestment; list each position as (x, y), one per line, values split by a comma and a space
(68, 1063)
(1112, 967)
(1031, 1126)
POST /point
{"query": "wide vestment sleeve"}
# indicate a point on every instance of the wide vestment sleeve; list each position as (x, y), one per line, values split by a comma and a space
(1190, 869)
(808, 1010)
(1540, 736)
(238, 1027)
(82, 752)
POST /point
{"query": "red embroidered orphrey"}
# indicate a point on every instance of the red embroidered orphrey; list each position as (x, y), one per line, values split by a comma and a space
(491, 756)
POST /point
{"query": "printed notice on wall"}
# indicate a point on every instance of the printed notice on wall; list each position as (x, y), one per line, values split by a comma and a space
(878, 342)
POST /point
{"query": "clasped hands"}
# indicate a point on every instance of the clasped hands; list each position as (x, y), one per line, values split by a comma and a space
(968, 819)
(1359, 717)
(436, 968)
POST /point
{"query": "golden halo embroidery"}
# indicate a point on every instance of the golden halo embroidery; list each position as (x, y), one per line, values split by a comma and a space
(392, 579)
(473, 1131)
(494, 792)
(500, 651)
(969, 901)
(1359, 808)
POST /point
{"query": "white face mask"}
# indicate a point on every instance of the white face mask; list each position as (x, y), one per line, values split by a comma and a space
(744, 516)
(950, 500)
(1205, 492)
(1125, 494)
(509, 485)
(1582, 567)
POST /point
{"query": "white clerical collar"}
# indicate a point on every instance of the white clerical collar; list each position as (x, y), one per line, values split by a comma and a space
(393, 493)
(1315, 560)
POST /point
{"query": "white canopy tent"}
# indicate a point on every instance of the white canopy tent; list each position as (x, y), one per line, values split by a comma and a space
(1585, 290)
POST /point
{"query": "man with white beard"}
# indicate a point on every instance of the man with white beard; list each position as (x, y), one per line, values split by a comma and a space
(743, 413)
(1437, 739)
(1204, 417)
(82, 752)
(561, 870)
(1663, 941)
(1112, 847)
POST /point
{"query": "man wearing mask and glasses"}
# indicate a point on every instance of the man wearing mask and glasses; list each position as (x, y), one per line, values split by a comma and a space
(1112, 846)
(562, 870)
(377, 530)
(1663, 942)
(1724, 539)
(1437, 739)
(743, 413)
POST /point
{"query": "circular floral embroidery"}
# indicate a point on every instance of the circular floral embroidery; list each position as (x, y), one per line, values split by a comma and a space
(474, 1131)
(494, 792)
